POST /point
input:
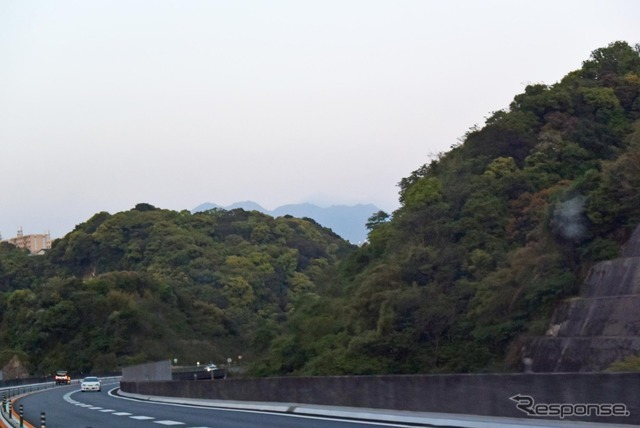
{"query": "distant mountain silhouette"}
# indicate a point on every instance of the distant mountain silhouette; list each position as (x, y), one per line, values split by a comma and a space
(348, 221)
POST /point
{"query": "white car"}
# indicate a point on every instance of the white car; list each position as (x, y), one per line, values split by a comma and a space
(90, 383)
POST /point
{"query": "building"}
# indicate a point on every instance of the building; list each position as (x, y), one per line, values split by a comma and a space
(36, 243)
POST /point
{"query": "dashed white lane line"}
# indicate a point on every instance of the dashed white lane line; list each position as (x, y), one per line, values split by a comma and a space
(141, 418)
(130, 415)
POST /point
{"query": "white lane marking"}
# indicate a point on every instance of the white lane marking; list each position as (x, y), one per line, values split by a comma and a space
(168, 422)
(107, 410)
(262, 412)
(122, 414)
(95, 408)
(141, 418)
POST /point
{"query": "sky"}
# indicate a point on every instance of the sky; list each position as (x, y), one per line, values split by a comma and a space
(105, 104)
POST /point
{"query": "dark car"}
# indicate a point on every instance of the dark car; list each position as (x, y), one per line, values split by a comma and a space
(62, 377)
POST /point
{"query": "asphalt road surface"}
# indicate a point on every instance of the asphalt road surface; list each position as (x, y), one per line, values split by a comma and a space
(68, 407)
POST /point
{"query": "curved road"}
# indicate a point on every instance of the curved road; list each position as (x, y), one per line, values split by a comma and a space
(68, 407)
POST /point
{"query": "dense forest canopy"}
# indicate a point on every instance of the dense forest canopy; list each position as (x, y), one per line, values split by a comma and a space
(151, 284)
(488, 238)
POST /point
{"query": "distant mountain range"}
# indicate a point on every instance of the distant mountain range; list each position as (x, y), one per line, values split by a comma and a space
(345, 220)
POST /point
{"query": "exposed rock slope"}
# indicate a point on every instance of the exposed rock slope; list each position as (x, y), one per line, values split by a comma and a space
(602, 326)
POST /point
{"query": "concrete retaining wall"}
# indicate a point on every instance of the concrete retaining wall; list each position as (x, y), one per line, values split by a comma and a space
(157, 371)
(479, 394)
(600, 327)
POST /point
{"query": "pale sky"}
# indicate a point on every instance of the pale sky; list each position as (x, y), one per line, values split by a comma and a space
(105, 104)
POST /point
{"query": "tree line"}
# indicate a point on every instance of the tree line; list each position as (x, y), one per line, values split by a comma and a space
(489, 237)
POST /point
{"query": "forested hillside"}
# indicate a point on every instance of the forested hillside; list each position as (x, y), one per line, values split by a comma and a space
(150, 284)
(488, 238)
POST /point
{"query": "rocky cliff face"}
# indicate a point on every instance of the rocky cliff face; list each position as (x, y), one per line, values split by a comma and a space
(14, 369)
(590, 332)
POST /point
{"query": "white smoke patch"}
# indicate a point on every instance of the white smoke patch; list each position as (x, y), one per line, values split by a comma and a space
(569, 220)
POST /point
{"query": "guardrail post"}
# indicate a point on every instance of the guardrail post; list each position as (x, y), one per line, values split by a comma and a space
(21, 415)
(43, 424)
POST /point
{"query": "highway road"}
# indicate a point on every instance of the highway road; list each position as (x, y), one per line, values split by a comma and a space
(68, 407)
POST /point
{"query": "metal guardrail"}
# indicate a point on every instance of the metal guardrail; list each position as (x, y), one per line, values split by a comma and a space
(11, 417)
(197, 373)
(4, 384)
